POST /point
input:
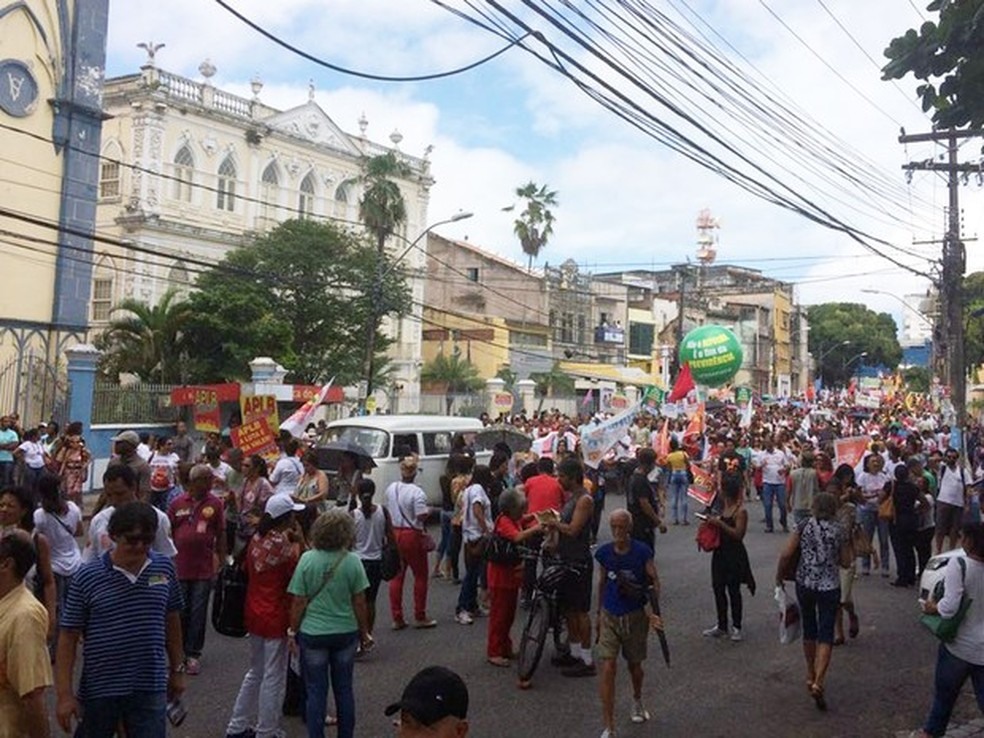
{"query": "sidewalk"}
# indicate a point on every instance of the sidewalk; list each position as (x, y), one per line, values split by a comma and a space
(973, 729)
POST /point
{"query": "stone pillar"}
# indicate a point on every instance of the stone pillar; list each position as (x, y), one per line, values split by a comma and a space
(265, 370)
(631, 393)
(494, 387)
(83, 360)
(527, 396)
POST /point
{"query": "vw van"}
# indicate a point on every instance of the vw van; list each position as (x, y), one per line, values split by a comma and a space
(388, 437)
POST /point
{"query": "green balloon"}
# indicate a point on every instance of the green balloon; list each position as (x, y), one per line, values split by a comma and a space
(714, 354)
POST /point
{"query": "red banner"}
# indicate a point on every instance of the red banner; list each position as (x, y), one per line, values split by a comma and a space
(205, 394)
(850, 451)
(702, 489)
(256, 437)
(208, 416)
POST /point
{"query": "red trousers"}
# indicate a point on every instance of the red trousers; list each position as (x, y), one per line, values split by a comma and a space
(502, 612)
(413, 557)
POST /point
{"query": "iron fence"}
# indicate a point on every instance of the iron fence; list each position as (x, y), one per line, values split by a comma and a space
(113, 404)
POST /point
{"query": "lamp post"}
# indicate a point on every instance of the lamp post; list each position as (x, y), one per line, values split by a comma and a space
(374, 311)
(854, 358)
(934, 358)
(845, 342)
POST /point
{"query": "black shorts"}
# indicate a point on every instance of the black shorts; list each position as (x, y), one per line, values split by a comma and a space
(575, 589)
(374, 573)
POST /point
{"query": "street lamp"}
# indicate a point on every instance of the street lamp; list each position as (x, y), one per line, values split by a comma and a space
(373, 319)
(850, 361)
(845, 342)
(918, 313)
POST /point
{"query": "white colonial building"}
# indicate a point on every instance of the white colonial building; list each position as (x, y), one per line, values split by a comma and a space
(190, 171)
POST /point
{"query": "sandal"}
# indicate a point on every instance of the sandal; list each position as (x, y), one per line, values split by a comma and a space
(816, 691)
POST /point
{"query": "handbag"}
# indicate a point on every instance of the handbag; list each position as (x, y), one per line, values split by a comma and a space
(861, 542)
(886, 508)
(502, 550)
(946, 628)
(426, 539)
(229, 600)
(390, 563)
(708, 537)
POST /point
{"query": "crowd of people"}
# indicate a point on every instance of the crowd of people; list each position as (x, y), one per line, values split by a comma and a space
(317, 547)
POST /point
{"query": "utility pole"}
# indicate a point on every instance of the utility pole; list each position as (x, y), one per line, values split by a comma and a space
(953, 263)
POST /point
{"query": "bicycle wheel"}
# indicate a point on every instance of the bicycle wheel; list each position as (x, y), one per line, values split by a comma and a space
(533, 638)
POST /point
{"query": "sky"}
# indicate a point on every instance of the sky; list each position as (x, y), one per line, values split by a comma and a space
(626, 200)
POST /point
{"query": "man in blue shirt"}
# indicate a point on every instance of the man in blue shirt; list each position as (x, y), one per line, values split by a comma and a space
(9, 440)
(627, 571)
(126, 604)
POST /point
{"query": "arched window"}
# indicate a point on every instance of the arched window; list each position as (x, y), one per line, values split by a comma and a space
(225, 197)
(345, 198)
(109, 172)
(343, 192)
(184, 173)
(269, 193)
(102, 290)
(305, 201)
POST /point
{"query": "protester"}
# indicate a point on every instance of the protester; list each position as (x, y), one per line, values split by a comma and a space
(906, 502)
(329, 620)
(182, 444)
(406, 504)
(23, 652)
(434, 704)
(253, 498)
(72, 462)
(951, 499)
(9, 441)
(626, 572)
(962, 657)
(730, 567)
(822, 545)
(678, 463)
(848, 499)
(373, 531)
(641, 500)
(163, 473)
(873, 481)
(476, 524)
(312, 490)
(125, 445)
(270, 561)
(288, 470)
(125, 607)
(346, 480)
(198, 526)
(17, 513)
(774, 463)
(446, 567)
(34, 457)
(804, 484)
(60, 522)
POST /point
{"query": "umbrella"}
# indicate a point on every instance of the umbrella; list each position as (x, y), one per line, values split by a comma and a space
(515, 439)
(654, 601)
(330, 455)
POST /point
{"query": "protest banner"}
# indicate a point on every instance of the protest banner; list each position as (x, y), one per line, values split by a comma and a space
(256, 438)
(597, 439)
(850, 451)
(254, 407)
(702, 488)
(207, 416)
(652, 399)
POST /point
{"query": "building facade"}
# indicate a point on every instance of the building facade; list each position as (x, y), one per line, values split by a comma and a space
(189, 171)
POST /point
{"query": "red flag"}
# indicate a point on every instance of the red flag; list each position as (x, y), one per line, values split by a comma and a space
(684, 383)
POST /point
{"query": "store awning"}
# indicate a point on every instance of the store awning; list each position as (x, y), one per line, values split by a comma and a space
(610, 373)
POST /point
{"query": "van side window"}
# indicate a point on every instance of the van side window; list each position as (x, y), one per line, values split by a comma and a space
(437, 443)
(405, 444)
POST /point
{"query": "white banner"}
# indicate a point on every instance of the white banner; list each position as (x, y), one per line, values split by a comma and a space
(304, 415)
(597, 439)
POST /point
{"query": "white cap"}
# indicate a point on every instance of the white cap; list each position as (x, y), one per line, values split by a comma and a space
(281, 505)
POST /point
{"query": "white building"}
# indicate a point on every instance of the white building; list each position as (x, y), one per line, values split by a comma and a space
(210, 170)
(917, 326)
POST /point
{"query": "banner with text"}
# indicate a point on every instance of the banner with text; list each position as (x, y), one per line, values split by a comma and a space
(597, 439)
(256, 438)
(208, 417)
(850, 451)
(254, 407)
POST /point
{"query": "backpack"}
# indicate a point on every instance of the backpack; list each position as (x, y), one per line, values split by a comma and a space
(229, 600)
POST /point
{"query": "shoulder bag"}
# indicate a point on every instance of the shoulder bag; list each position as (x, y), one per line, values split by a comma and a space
(946, 628)
(229, 599)
(501, 550)
(708, 537)
(426, 538)
(886, 508)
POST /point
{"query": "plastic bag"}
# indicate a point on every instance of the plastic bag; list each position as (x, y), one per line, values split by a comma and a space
(789, 617)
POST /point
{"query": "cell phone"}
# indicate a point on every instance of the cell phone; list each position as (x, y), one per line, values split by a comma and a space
(700, 516)
(176, 712)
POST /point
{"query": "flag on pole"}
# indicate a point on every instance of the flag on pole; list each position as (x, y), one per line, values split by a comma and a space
(684, 384)
(746, 415)
(661, 443)
(304, 415)
(588, 400)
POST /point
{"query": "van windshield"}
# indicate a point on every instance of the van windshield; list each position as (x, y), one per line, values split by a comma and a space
(374, 441)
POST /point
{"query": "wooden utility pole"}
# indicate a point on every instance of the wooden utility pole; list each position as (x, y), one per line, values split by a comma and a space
(953, 264)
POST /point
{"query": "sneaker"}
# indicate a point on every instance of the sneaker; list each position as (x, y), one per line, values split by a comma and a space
(639, 713)
(580, 669)
(607, 733)
(463, 618)
(425, 623)
(736, 634)
(564, 660)
(398, 625)
(714, 632)
(193, 667)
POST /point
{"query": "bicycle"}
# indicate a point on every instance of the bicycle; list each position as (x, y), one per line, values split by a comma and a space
(544, 615)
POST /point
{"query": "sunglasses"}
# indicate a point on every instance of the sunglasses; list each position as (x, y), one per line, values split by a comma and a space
(137, 539)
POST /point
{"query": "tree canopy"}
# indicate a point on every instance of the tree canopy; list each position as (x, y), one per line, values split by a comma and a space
(948, 56)
(973, 295)
(299, 294)
(841, 331)
(534, 226)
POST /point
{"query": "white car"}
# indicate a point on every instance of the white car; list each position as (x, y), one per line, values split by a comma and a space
(933, 573)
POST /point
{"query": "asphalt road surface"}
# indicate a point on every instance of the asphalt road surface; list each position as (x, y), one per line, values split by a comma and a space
(878, 684)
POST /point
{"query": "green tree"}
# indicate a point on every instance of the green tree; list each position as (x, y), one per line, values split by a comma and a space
(864, 331)
(296, 294)
(917, 378)
(973, 294)
(553, 383)
(948, 56)
(534, 226)
(508, 376)
(453, 374)
(146, 340)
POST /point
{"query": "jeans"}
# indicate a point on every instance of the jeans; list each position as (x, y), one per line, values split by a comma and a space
(31, 477)
(868, 517)
(6, 473)
(261, 695)
(412, 556)
(468, 596)
(142, 714)
(194, 615)
(329, 660)
(775, 492)
(818, 608)
(904, 543)
(454, 550)
(951, 674)
(444, 547)
(678, 495)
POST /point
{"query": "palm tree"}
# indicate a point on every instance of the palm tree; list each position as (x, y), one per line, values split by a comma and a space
(534, 226)
(455, 374)
(382, 210)
(147, 340)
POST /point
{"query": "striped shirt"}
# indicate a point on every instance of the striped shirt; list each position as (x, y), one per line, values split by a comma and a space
(123, 625)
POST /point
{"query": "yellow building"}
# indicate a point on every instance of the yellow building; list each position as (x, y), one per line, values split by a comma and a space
(52, 57)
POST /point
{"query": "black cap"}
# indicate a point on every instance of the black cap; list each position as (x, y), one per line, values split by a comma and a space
(433, 694)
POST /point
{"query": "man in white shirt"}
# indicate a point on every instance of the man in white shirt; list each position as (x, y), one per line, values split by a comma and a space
(120, 487)
(288, 470)
(951, 499)
(774, 463)
(406, 504)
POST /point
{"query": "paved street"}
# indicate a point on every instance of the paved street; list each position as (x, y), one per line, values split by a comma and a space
(879, 684)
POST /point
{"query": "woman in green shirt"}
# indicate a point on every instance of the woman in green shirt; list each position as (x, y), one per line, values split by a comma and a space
(329, 619)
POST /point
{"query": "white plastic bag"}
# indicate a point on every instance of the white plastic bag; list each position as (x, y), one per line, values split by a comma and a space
(789, 617)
